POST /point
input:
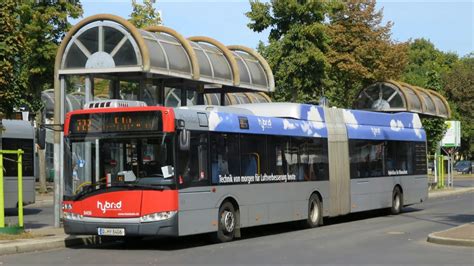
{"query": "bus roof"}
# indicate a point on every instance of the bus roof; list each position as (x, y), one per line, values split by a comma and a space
(304, 120)
(17, 129)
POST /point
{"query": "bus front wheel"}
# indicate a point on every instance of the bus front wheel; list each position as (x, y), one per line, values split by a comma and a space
(397, 201)
(314, 212)
(227, 222)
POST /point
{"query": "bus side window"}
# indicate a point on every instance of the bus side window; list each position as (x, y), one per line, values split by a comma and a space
(192, 165)
(252, 154)
(224, 156)
(277, 149)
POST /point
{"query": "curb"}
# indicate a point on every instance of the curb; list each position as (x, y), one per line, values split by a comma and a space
(449, 241)
(47, 244)
(438, 194)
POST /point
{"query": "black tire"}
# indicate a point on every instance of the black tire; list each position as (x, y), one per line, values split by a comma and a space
(397, 201)
(315, 214)
(227, 223)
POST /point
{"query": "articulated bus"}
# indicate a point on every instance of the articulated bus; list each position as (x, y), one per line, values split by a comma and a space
(142, 170)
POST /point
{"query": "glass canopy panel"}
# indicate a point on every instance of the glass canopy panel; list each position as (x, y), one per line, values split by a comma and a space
(415, 103)
(47, 97)
(212, 99)
(251, 97)
(75, 58)
(241, 98)
(125, 55)
(260, 97)
(89, 39)
(430, 107)
(74, 101)
(112, 38)
(157, 57)
(257, 72)
(441, 106)
(204, 66)
(178, 59)
(244, 72)
(219, 62)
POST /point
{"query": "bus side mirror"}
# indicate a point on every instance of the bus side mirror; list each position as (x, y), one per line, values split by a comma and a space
(184, 140)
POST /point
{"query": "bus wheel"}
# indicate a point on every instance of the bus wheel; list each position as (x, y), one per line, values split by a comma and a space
(226, 223)
(314, 212)
(397, 201)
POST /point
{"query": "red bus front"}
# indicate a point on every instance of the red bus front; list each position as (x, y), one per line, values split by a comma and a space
(119, 172)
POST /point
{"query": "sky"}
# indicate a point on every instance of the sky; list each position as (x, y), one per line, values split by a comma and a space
(448, 24)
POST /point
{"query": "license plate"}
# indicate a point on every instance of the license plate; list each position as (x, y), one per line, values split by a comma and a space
(111, 231)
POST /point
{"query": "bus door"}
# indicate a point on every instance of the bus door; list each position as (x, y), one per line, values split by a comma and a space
(338, 153)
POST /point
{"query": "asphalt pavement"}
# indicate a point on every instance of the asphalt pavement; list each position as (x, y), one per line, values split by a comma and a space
(363, 238)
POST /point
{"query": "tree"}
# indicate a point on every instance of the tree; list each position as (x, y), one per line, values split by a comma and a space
(45, 23)
(13, 65)
(144, 15)
(30, 35)
(458, 84)
(426, 63)
(297, 45)
(361, 51)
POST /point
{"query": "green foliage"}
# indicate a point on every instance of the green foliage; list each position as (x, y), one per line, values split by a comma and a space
(144, 15)
(435, 129)
(32, 31)
(13, 66)
(361, 51)
(426, 64)
(297, 45)
(458, 84)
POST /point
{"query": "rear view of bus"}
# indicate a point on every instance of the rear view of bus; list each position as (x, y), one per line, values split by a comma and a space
(120, 156)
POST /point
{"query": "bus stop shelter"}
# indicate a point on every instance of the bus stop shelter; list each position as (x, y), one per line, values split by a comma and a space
(106, 57)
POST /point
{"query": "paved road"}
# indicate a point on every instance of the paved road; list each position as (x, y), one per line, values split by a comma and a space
(367, 238)
(464, 182)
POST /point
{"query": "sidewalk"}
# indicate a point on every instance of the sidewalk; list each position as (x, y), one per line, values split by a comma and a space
(44, 239)
(437, 193)
(462, 235)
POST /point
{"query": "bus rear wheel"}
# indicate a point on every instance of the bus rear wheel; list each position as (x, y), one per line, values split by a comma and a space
(227, 222)
(397, 201)
(314, 212)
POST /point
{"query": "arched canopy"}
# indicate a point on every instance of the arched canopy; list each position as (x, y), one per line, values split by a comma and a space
(254, 69)
(110, 44)
(73, 101)
(393, 96)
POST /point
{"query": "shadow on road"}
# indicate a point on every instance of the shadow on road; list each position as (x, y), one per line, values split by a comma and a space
(26, 211)
(170, 244)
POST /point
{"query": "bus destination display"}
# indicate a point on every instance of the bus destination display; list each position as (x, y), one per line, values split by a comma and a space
(116, 122)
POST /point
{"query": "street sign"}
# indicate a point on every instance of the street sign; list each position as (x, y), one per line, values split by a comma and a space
(452, 137)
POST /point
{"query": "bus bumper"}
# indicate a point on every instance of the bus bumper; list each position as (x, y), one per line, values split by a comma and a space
(160, 228)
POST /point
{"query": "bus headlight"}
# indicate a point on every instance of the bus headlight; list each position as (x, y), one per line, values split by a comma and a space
(159, 216)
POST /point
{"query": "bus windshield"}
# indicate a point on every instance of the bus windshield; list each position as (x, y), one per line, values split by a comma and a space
(119, 161)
